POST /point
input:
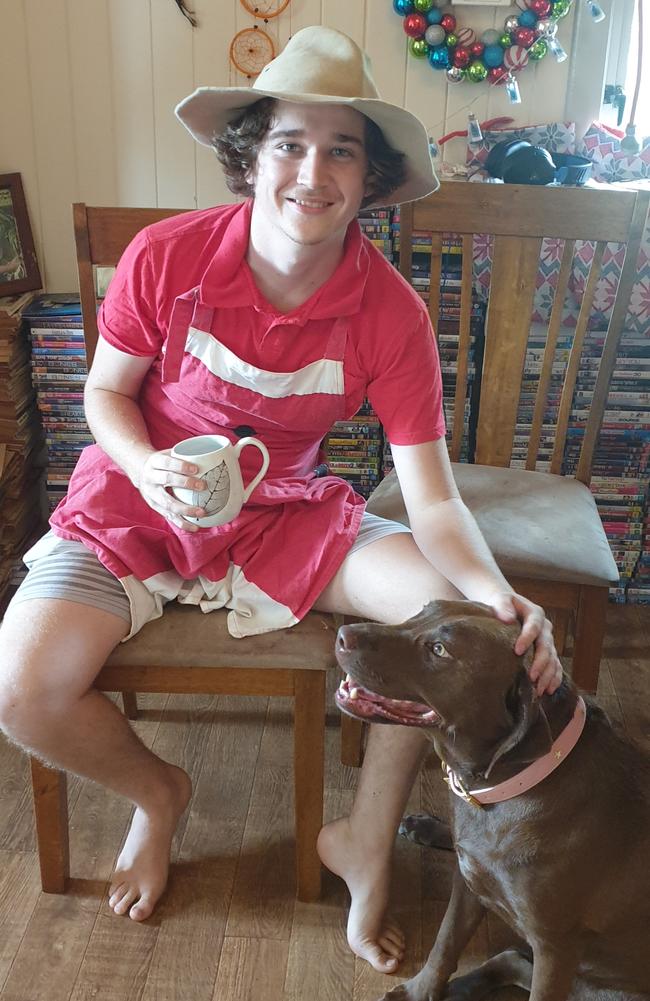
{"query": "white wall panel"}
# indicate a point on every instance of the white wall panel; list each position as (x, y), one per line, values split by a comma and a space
(172, 79)
(93, 86)
(17, 141)
(92, 100)
(134, 155)
(54, 136)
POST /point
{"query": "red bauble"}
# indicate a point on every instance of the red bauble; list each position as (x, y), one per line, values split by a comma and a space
(462, 56)
(524, 36)
(448, 22)
(476, 50)
(415, 25)
(540, 7)
(497, 74)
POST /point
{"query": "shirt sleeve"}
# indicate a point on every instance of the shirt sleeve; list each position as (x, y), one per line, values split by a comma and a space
(406, 392)
(127, 316)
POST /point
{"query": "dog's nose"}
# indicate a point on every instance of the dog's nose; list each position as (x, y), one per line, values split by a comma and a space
(346, 638)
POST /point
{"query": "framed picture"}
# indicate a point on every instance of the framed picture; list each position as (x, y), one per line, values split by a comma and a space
(18, 265)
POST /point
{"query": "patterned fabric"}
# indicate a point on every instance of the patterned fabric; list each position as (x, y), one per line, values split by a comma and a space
(557, 137)
(610, 162)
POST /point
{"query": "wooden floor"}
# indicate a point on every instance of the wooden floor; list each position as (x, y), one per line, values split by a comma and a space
(229, 927)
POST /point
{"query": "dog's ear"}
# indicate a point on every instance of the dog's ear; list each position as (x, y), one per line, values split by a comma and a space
(526, 712)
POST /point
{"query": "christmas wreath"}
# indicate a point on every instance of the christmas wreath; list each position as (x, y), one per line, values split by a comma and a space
(434, 34)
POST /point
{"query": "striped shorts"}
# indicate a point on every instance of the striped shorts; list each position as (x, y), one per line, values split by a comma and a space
(60, 568)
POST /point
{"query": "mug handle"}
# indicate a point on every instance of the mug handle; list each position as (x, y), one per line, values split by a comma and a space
(265, 463)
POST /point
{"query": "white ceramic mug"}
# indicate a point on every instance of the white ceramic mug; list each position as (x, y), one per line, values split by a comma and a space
(218, 464)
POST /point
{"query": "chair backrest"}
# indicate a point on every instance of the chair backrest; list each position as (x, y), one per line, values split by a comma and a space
(518, 218)
(101, 236)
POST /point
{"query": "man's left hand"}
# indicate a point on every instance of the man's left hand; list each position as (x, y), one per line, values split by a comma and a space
(546, 670)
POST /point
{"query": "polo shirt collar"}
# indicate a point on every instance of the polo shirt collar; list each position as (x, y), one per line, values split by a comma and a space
(228, 280)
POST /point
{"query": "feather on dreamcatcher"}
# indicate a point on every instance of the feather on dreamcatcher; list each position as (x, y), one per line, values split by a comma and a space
(186, 12)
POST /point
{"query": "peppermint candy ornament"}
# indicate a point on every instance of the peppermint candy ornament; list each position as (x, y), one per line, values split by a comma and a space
(515, 58)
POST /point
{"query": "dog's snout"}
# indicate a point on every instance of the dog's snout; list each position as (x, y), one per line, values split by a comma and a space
(346, 638)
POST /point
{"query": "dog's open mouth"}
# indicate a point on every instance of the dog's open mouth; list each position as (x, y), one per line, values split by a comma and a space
(352, 698)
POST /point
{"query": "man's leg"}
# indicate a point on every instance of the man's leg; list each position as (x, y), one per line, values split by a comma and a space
(51, 651)
(387, 581)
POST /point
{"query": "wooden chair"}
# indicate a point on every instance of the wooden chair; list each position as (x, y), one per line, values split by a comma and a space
(542, 527)
(187, 651)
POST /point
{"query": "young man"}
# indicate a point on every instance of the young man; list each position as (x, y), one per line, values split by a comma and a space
(277, 316)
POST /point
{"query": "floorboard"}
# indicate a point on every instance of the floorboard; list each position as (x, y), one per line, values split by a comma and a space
(229, 927)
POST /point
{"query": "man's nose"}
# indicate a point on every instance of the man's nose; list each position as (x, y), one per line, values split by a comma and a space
(312, 173)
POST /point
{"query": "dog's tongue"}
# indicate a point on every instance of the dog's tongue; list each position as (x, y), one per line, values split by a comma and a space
(359, 701)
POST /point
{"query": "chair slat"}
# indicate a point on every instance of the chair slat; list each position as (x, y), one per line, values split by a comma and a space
(514, 268)
(573, 365)
(434, 281)
(406, 240)
(464, 343)
(549, 354)
(613, 337)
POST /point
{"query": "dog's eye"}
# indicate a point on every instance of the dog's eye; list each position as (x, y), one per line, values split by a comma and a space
(438, 650)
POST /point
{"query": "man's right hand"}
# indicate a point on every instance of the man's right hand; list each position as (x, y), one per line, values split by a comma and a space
(157, 475)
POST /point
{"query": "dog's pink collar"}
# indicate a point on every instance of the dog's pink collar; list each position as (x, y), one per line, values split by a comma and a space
(531, 775)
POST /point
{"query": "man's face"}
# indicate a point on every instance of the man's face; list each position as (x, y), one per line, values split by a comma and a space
(310, 175)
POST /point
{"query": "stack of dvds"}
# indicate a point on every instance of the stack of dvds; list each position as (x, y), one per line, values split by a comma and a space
(621, 459)
(376, 225)
(530, 381)
(354, 450)
(22, 453)
(59, 373)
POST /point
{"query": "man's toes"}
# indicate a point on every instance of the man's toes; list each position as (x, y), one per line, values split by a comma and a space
(392, 942)
(115, 892)
(379, 959)
(142, 909)
(122, 905)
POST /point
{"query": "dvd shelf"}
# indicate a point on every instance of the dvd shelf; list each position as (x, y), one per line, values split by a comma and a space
(59, 373)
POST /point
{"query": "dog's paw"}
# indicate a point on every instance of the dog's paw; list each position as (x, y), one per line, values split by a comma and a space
(424, 829)
(417, 989)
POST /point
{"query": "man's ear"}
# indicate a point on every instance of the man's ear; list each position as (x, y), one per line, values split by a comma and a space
(526, 711)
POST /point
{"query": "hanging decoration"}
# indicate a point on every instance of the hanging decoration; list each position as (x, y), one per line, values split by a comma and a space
(252, 48)
(493, 56)
(264, 9)
(250, 51)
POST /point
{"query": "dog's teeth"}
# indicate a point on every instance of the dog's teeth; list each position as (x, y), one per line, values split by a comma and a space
(430, 715)
(348, 678)
(354, 693)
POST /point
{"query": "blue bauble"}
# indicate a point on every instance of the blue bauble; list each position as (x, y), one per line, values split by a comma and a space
(492, 55)
(403, 7)
(439, 57)
(434, 16)
(527, 19)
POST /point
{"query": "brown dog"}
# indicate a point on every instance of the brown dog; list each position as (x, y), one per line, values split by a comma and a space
(567, 862)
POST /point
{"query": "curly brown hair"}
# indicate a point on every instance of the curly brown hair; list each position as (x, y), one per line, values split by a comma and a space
(239, 143)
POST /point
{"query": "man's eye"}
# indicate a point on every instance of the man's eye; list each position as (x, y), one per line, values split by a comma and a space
(288, 147)
(340, 151)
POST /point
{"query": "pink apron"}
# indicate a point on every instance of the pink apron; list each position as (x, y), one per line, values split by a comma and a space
(268, 565)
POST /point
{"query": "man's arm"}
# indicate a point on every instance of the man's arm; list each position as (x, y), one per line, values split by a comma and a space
(446, 532)
(116, 421)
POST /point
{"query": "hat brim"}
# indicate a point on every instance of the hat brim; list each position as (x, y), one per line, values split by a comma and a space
(207, 111)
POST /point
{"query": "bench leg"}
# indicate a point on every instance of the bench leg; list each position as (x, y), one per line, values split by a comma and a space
(589, 636)
(130, 703)
(309, 766)
(49, 787)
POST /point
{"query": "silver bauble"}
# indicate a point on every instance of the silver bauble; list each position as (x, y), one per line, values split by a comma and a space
(491, 36)
(511, 24)
(435, 34)
(546, 27)
(455, 74)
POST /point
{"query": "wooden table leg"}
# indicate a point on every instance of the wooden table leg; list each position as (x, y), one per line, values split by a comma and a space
(51, 812)
(309, 766)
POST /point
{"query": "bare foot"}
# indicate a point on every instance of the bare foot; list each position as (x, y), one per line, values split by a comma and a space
(140, 875)
(370, 935)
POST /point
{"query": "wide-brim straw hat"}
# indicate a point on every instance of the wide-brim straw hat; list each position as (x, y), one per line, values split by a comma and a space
(320, 66)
